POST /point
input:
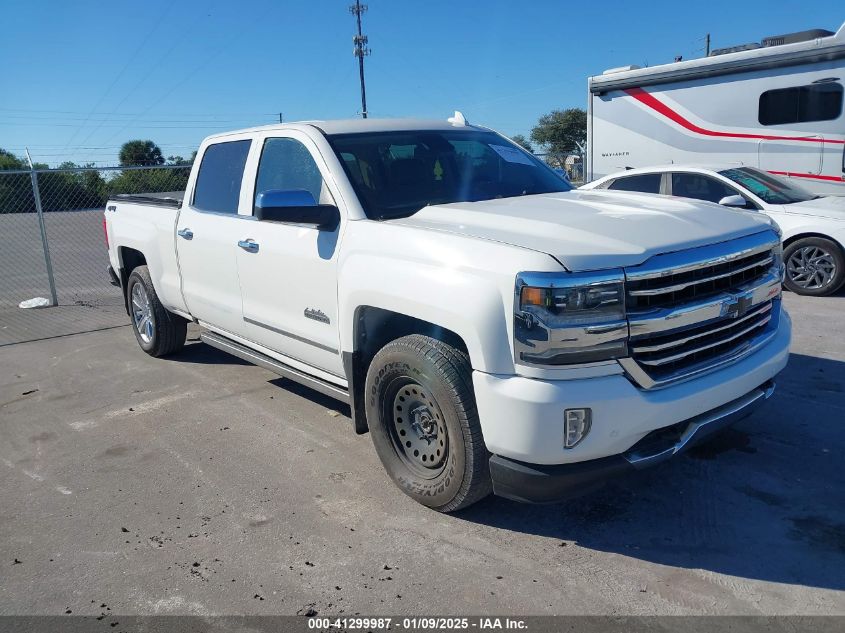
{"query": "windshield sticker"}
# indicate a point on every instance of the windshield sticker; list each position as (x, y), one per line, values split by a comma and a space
(512, 155)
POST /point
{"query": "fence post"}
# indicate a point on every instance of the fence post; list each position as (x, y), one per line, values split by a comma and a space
(37, 195)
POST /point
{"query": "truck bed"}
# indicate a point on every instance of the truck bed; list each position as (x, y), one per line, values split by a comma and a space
(165, 199)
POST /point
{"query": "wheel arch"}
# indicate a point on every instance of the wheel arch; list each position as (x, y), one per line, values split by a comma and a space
(373, 328)
(806, 234)
(129, 259)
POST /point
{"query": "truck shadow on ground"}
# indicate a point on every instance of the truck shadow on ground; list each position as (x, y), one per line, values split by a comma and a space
(762, 501)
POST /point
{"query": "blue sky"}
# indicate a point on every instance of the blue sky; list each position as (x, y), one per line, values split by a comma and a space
(80, 78)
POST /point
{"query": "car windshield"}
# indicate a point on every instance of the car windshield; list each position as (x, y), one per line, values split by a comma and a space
(768, 188)
(395, 174)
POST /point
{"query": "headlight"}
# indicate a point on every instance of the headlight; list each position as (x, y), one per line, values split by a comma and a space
(566, 318)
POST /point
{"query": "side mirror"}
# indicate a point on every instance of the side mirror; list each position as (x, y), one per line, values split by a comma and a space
(734, 201)
(295, 206)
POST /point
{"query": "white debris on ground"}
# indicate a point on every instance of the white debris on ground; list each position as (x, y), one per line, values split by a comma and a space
(36, 302)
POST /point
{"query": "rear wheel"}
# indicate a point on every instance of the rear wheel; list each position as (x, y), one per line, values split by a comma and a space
(814, 266)
(424, 424)
(158, 331)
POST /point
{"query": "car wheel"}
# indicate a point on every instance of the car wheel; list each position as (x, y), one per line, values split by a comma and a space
(424, 423)
(158, 331)
(814, 266)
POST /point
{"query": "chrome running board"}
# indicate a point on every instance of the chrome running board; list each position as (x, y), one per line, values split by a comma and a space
(262, 360)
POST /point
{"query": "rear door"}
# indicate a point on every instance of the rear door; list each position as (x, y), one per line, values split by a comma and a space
(205, 237)
(288, 272)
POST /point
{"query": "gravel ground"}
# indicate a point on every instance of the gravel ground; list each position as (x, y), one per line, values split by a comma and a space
(201, 485)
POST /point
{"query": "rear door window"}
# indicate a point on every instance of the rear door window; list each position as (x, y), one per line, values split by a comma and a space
(700, 187)
(644, 183)
(221, 173)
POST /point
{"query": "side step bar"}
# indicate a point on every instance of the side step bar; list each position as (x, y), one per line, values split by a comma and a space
(257, 358)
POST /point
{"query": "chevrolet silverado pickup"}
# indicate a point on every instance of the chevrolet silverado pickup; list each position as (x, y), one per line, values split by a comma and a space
(492, 330)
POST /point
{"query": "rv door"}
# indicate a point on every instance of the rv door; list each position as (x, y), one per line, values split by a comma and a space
(792, 157)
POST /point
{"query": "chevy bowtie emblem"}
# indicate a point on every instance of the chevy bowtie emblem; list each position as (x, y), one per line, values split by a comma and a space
(737, 305)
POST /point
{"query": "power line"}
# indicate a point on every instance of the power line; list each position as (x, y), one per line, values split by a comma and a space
(360, 51)
(122, 70)
(138, 114)
(181, 83)
(25, 118)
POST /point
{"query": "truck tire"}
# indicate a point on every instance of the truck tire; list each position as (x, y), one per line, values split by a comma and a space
(424, 423)
(158, 331)
(815, 266)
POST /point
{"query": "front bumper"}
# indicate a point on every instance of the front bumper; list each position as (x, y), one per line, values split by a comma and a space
(546, 484)
(522, 418)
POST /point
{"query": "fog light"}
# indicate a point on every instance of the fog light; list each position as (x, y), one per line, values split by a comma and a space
(576, 426)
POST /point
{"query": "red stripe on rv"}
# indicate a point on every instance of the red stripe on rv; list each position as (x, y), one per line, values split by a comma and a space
(813, 176)
(652, 102)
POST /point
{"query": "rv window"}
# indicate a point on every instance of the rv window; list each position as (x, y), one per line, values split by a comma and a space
(801, 104)
(645, 183)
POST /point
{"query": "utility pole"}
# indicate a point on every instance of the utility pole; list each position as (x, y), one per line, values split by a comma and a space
(360, 50)
(707, 45)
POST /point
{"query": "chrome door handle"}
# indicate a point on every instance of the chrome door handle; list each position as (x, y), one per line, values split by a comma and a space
(249, 245)
(188, 234)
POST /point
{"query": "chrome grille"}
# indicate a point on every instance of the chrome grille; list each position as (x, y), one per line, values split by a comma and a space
(666, 355)
(700, 282)
(693, 311)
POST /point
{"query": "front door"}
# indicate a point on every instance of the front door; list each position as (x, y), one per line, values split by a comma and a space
(288, 272)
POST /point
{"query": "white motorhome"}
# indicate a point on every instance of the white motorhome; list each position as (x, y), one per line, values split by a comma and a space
(776, 105)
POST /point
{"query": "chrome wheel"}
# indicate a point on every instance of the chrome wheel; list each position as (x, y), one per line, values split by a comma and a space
(419, 431)
(142, 313)
(811, 267)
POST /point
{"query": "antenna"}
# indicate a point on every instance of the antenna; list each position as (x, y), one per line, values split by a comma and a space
(360, 50)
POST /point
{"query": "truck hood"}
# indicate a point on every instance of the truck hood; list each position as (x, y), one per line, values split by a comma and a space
(592, 230)
(832, 207)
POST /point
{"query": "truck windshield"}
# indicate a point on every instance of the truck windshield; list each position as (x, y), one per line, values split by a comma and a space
(395, 174)
(768, 188)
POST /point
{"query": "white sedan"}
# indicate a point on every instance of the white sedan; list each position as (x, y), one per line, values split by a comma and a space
(813, 226)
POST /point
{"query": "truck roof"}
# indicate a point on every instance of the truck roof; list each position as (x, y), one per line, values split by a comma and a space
(774, 56)
(351, 126)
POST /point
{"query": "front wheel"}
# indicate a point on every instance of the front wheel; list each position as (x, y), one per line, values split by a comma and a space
(158, 331)
(424, 423)
(815, 266)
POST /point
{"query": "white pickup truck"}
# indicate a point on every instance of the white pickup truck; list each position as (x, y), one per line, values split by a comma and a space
(491, 329)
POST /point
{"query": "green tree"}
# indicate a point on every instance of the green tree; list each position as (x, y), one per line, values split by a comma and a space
(139, 153)
(560, 132)
(523, 142)
(65, 190)
(15, 189)
(178, 160)
(10, 161)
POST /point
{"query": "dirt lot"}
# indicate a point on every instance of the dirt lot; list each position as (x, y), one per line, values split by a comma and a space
(200, 485)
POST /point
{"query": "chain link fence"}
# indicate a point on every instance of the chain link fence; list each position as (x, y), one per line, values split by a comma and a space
(58, 252)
